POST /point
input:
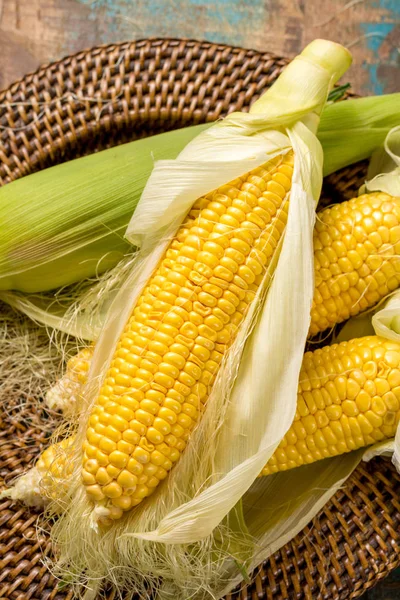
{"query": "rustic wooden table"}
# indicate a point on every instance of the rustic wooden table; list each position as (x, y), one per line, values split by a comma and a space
(33, 32)
(37, 31)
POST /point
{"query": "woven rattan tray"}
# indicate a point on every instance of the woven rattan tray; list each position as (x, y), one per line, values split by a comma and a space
(106, 96)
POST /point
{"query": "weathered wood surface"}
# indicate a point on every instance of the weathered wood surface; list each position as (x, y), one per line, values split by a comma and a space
(33, 32)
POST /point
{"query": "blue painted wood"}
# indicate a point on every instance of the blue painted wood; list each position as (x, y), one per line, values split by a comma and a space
(37, 31)
(383, 40)
(370, 27)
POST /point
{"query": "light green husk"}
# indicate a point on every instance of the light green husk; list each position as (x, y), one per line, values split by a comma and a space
(64, 224)
(67, 223)
(352, 130)
(185, 541)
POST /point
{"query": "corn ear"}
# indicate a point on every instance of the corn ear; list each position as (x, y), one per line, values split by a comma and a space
(46, 480)
(348, 398)
(356, 257)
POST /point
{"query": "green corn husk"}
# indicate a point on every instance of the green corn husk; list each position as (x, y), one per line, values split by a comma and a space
(67, 223)
(351, 131)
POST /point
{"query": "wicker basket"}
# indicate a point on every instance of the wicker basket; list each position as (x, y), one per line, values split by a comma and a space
(109, 95)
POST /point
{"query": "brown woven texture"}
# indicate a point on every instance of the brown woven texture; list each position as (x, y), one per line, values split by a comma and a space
(106, 96)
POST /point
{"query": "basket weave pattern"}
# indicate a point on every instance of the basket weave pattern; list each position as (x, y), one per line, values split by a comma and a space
(107, 96)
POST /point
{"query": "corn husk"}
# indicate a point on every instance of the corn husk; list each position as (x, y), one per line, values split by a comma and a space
(184, 539)
(351, 131)
(66, 223)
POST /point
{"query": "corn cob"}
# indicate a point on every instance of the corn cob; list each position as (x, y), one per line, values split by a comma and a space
(348, 398)
(356, 257)
(46, 480)
(53, 468)
(64, 395)
(184, 321)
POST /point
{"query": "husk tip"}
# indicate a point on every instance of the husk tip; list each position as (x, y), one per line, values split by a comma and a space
(330, 55)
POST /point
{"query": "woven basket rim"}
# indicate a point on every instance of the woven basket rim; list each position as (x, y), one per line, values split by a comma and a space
(114, 45)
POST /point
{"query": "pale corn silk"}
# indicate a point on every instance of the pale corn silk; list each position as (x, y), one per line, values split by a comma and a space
(188, 536)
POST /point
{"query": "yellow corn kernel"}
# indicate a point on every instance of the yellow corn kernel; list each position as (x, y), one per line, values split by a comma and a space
(357, 419)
